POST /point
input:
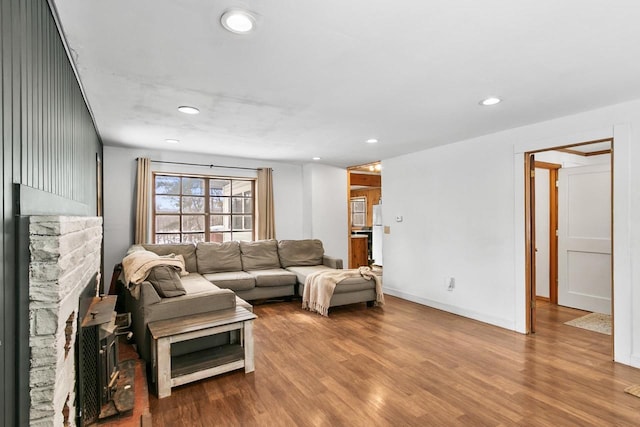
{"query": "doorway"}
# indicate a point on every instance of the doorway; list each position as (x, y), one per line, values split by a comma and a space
(364, 189)
(569, 250)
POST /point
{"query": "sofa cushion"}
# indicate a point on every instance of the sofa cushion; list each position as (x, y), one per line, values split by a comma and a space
(218, 257)
(259, 255)
(234, 280)
(300, 252)
(166, 281)
(196, 284)
(302, 272)
(187, 250)
(273, 277)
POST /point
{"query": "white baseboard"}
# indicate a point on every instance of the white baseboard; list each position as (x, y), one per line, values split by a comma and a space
(496, 321)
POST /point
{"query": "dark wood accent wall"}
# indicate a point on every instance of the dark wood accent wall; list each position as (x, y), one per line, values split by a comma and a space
(49, 142)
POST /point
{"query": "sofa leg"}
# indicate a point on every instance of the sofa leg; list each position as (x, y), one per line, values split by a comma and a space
(370, 303)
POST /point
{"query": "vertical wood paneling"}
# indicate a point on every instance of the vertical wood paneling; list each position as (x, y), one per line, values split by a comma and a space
(49, 142)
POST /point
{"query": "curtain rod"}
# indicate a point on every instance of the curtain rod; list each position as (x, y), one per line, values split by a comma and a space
(203, 165)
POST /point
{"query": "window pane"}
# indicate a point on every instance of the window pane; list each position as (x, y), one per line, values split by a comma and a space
(242, 222)
(220, 237)
(248, 222)
(245, 235)
(193, 223)
(219, 205)
(167, 238)
(242, 188)
(167, 223)
(192, 204)
(248, 206)
(193, 238)
(220, 187)
(168, 204)
(193, 186)
(220, 223)
(167, 184)
(237, 205)
(358, 219)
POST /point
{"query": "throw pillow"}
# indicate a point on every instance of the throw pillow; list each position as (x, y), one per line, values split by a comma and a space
(166, 281)
(180, 259)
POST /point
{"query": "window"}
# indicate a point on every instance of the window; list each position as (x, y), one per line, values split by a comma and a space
(202, 209)
(358, 211)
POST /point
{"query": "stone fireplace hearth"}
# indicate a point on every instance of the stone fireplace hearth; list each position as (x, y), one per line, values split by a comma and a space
(65, 260)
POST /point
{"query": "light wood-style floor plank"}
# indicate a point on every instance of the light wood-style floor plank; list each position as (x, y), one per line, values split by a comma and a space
(411, 365)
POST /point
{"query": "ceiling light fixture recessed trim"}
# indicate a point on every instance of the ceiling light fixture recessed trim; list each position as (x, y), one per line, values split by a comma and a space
(372, 141)
(316, 158)
(186, 109)
(238, 21)
(492, 100)
(172, 141)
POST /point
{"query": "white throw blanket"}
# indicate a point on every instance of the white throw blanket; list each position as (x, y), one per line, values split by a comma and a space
(137, 265)
(319, 287)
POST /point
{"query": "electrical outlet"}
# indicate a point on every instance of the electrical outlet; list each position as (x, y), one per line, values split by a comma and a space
(451, 283)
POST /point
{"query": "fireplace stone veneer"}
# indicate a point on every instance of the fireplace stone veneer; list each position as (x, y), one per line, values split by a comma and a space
(65, 259)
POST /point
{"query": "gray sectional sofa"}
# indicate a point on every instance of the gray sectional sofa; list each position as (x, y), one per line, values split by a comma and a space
(223, 275)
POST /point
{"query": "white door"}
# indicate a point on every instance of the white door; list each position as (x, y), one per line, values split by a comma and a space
(584, 238)
(542, 232)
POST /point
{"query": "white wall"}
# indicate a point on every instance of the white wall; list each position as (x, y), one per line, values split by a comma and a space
(119, 194)
(325, 208)
(463, 209)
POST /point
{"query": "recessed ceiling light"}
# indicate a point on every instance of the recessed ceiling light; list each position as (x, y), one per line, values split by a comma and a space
(172, 141)
(238, 21)
(188, 110)
(492, 100)
(372, 141)
(316, 158)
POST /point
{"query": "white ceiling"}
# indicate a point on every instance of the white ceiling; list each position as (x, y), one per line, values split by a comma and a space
(318, 78)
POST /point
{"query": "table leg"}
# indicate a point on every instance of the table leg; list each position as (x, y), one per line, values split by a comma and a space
(248, 346)
(163, 354)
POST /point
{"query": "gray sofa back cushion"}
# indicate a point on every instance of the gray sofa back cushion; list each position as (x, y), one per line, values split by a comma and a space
(166, 280)
(187, 250)
(259, 255)
(218, 257)
(300, 252)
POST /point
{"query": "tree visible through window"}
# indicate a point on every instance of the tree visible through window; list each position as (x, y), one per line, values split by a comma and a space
(202, 209)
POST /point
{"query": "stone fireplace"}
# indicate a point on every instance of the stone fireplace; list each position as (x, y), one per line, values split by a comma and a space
(65, 261)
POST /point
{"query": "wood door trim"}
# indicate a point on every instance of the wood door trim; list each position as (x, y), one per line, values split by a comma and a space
(553, 227)
(528, 246)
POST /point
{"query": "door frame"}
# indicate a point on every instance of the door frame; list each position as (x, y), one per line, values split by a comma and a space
(553, 227)
(529, 217)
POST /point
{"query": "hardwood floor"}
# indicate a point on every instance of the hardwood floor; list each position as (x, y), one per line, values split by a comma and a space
(410, 365)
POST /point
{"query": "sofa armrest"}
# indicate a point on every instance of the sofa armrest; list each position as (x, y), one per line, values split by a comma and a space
(332, 262)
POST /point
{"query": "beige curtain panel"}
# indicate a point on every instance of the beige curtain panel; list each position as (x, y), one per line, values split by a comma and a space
(143, 188)
(265, 216)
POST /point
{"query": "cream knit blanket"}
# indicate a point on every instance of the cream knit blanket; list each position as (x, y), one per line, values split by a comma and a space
(137, 265)
(319, 287)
